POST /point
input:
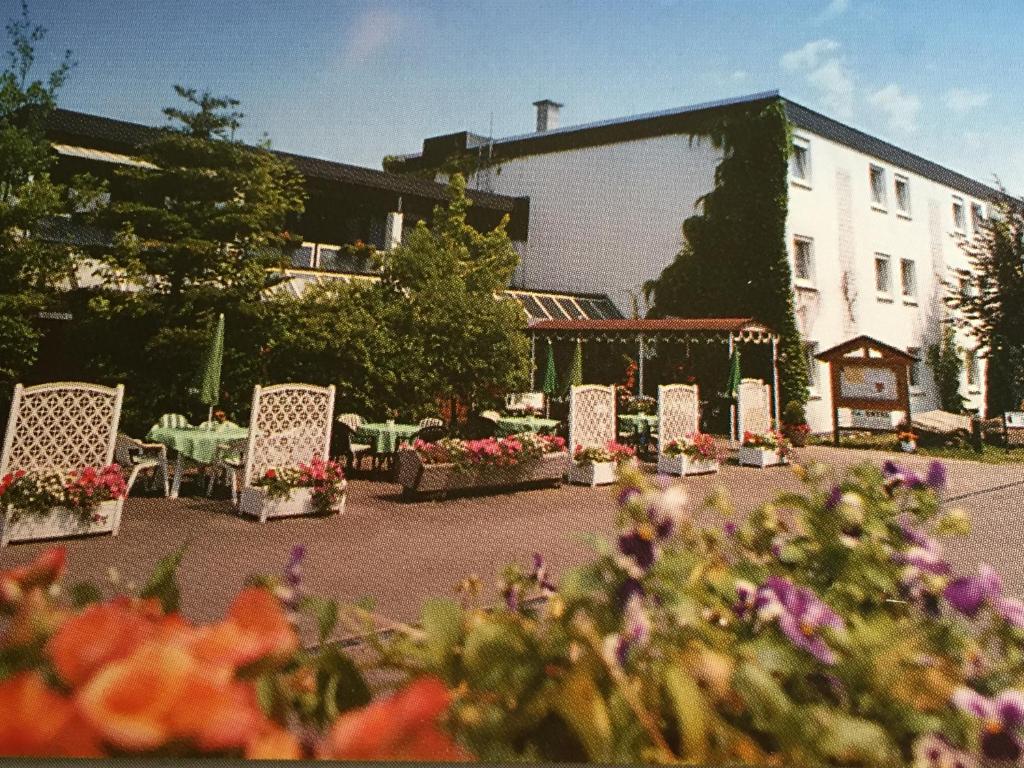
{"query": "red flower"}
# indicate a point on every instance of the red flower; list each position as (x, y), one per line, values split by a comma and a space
(271, 474)
(47, 568)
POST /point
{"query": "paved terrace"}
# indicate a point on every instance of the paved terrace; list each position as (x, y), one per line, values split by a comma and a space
(401, 553)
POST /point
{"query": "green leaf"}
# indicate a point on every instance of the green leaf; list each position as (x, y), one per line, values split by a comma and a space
(340, 675)
(853, 740)
(767, 702)
(324, 610)
(579, 703)
(163, 583)
(442, 623)
(83, 593)
(691, 713)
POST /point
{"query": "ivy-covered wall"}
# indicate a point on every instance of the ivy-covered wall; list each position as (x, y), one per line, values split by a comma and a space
(734, 261)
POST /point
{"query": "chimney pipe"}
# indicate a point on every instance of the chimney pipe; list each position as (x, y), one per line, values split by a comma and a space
(547, 114)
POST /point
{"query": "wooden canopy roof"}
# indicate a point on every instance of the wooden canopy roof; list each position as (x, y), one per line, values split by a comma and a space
(864, 345)
(738, 328)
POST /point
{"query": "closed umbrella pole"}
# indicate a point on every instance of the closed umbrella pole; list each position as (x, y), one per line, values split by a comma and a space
(550, 387)
(209, 384)
(732, 387)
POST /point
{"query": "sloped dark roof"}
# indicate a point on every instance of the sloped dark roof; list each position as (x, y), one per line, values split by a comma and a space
(683, 119)
(123, 136)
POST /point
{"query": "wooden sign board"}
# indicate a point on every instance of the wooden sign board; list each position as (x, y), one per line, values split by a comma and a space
(868, 375)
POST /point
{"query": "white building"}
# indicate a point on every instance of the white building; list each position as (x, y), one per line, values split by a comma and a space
(872, 229)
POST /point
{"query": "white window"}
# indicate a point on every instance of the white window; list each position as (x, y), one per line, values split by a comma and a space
(903, 196)
(803, 260)
(971, 369)
(914, 378)
(878, 195)
(800, 161)
(813, 366)
(959, 217)
(908, 279)
(977, 217)
(883, 276)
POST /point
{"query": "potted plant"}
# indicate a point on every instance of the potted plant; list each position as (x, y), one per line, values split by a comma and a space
(907, 438)
(317, 488)
(40, 505)
(695, 454)
(794, 423)
(597, 465)
(454, 464)
(764, 450)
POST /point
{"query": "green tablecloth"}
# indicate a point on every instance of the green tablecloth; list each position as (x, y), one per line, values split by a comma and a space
(196, 443)
(638, 422)
(385, 438)
(511, 425)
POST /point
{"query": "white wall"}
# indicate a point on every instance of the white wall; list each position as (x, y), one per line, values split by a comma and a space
(848, 230)
(605, 219)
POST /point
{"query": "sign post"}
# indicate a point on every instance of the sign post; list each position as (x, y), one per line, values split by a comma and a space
(867, 374)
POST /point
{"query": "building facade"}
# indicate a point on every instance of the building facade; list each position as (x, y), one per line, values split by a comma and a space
(872, 230)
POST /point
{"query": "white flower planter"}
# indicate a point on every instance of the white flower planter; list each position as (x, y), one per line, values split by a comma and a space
(60, 523)
(684, 465)
(419, 479)
(751, 456)
(600, 473)
(255, 502)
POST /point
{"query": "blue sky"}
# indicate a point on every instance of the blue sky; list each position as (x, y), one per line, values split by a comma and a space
(353, 80)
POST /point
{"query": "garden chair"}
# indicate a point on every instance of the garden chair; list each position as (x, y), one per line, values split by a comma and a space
(61, 427)
(228, 463)
(353, 452)
(755, 410)
(135, 455)
(173, 421)
(1013, 429)
(431, 421)
(591, 416)
(352, 420)
(431, 433)
(290, 423)
(678, 412)
(481, 426)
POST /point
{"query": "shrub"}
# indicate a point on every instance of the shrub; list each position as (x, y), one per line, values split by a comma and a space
(794, 414)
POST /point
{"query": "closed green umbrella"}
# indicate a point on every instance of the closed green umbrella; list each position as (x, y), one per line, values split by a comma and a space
(575, 378)
(732, 387)
(209, 375)
(550, 387)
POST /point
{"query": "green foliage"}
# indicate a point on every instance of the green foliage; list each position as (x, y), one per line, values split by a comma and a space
(993, 310)
(30, 268)
(794, 413)
(163, 582)
(946, 364)
(734, 261)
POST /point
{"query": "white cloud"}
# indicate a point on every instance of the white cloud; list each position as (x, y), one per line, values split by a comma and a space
(835, 87)
(809, 56)
(833, 9)
(963, 100)
(739, 74)
(370, 33)
(900, 109)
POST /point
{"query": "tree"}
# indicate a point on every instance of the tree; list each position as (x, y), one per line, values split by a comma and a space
(734, 261)
(31, 269)
(990, 302)
(944, 360)
(210, 211)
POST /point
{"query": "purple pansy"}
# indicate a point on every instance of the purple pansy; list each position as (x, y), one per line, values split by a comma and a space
(968, 594)
(936, 477)
(896, 475)
(636, 629)
(540, 575)
(1001, 716)
(640, 544)
(933, 751)
(746, 598)
(801, 615)
(729, 528)
(291, 593)
(834, 497)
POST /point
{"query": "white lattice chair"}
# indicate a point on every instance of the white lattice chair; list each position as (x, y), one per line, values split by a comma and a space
(755, 406)
(591, 416)
(678, 412)
(61, 427)
(290, 423)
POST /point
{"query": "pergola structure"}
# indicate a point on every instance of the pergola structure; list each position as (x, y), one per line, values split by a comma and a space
(648, 333)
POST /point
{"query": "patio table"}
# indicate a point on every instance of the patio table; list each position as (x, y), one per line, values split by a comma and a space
(196, 443)
(384, 437)
(511, 425)
(638, 423)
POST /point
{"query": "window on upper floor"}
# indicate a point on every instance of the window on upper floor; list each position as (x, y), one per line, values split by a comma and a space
(876, 175)
(908, 279)
(883, 276)
(903, 196)
(959, 215)
(803, 260)
(813, 366)
(977, 217)
(800, 161)
(915, 368)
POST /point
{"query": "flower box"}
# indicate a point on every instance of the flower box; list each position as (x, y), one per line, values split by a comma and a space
(419, 478)
(256, 502)
(684, 465)
(593, 473)
(757, 456)
(61, 522)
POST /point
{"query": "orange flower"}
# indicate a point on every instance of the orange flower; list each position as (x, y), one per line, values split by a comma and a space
(256, 628)
(38, 722)
(401, 727)
(274, 744)
(161, 693)
(41, 572)
(106, 632)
